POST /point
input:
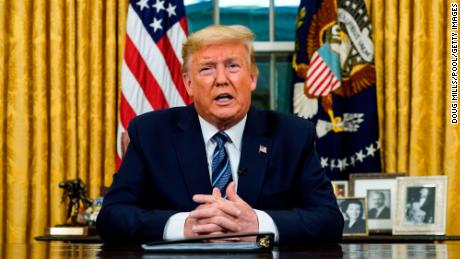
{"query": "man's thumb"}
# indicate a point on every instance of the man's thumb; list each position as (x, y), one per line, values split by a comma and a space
(216, 193)
(231, 194)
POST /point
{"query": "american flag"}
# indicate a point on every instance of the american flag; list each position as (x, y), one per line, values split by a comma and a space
(321, 80)
(151, 69)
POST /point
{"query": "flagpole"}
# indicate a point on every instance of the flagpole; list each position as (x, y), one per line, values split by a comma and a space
(216, 16)
(271, 38)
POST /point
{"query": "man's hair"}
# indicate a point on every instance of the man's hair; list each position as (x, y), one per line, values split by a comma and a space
(218, 34)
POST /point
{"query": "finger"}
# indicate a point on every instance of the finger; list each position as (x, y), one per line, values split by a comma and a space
(217, 233)
(231, 194)
(229, 207)
(205, 213)
(216, 193)
(227, 224)
(203, 206)
(204, 198)
(221, 206)
(206, 228)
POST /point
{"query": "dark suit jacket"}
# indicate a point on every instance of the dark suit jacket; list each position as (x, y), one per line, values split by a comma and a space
(165, 165)
(385, 214)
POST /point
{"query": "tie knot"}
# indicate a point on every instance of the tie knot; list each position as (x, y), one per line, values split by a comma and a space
(221, 138)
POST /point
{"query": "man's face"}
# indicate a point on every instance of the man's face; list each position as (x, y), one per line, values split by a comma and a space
(220, 82)
(377, 200)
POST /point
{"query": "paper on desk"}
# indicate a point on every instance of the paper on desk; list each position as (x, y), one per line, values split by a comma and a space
(264, 241)
(218, 247)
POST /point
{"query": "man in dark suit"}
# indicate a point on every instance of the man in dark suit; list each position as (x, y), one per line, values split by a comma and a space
(218, 165)
(378, 208)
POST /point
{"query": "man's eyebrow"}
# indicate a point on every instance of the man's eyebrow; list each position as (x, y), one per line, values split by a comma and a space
(230, 59)
(207, 63)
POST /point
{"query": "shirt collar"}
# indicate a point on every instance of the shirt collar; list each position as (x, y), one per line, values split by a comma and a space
(235, 133)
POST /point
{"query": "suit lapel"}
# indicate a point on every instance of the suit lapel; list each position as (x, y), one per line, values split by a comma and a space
(191, 153)
(255, 153)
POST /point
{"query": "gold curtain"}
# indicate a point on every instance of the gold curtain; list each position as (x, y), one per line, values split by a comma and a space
(59, 75)
(412, 58)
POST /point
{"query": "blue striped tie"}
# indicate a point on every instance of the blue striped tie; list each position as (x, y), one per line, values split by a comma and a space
(221, 169)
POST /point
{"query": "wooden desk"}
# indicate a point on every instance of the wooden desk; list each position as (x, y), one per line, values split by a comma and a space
(345, 239)
(70, 250)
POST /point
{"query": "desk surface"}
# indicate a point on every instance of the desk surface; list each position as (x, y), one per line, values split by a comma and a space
(355, 251)
(346, 239)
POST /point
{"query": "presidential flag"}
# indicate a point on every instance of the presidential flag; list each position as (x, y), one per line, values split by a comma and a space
(334, 84)
(151, 69)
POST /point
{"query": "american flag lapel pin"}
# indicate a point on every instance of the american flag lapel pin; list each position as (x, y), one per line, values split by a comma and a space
(262, 149)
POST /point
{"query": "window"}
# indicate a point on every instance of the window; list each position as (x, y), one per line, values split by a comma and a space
(273, 23)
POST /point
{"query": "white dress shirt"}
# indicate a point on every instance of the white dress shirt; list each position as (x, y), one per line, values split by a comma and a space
(379, 211)
(175, 225)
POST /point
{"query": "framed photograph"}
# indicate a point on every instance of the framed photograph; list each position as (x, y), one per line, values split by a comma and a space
(421, 205)
(380, 191)
(354, 212)
(340, 188)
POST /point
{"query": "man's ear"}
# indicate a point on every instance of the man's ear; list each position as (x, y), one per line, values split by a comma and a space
(253, 81)
(188, 83)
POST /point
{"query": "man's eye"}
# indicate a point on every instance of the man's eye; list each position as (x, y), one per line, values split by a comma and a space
(233, 67)
(205, 70)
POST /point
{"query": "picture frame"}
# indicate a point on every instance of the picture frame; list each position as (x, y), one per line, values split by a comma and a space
(380, 189)
(340, 188)
(354, 207)
(421, 205)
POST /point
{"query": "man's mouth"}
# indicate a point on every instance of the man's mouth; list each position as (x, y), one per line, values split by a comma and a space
(223, 98)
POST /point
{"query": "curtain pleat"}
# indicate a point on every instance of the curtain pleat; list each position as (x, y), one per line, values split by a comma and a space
(110, 81)
(4, 56)
(389, 74)
(83, 87)
(402, 89)
(56, 92)
(96, 70)
(70, 89)
(39, 199)
(122, 7)
(18, 125)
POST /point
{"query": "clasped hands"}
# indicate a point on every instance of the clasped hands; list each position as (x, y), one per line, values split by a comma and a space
(216, 215)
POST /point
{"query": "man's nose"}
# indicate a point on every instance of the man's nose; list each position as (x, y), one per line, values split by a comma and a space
(221, 77)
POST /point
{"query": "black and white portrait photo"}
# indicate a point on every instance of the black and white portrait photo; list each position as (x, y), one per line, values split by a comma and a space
(420, 204)
(354, 214)
(379, 203)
